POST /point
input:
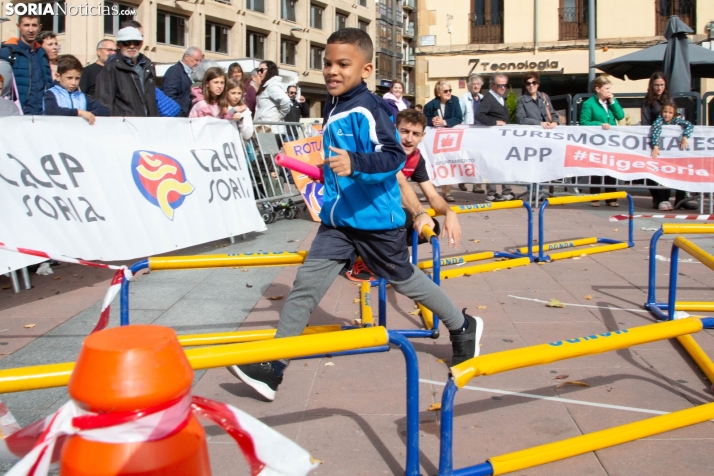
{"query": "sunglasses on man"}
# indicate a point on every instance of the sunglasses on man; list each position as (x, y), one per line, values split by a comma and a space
(130, 44)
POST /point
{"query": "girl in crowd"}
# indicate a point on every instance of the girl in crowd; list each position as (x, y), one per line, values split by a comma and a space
(602, 109)
(237, 110)
(443, 111)
(214, 103)
(394, 99)
(657, 96)
(197, 87)
(533, 107)
(235, 71)
(273, 102)
(668, 116)
(48, 40)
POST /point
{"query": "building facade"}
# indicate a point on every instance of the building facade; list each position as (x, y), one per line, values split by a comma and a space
(548, 36)
(395, 22)
(292, 33)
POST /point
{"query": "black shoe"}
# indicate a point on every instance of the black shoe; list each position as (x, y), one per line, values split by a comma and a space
(464, 342)
(462, 187)
(260, 376)
(689, 206)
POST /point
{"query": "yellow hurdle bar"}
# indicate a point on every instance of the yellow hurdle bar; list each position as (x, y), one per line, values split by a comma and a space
(427, 317)
(366, 304)
(558, 245)
(588, 251)
(702, 306)
(245, 336)
(686, 245)
(686, 228)
(485, 267)
(585, 198)
(497, 362)
(428, 233)
(600, 439)
(698, 355)
(280, 258)
(457, 260)
(480, 207)
(58, 375)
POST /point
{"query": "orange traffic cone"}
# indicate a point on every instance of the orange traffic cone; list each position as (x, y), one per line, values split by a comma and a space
(129, 369)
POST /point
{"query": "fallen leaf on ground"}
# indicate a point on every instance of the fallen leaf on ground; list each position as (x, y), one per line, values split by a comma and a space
(356, 300)
(354, 284)
(248, 285)
(588, 297)
(29, 326)
(434, 407)
(74, 275)
(481, 307)
(7, 286)
(292, 241)
(332, 364)
(357, 322)
(541, 263)
(57, 277)
(415, 312)
(614, 229)
(441, 361)
(555, 303)
(561, 376)
(274, 298)
(315, 460)
(577, 257)
(245, 270)
(476, 241)
(573, 382)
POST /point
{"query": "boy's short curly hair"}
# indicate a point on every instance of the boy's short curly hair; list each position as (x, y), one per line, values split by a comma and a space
(355, 37)
(412, 116)
(68, 63)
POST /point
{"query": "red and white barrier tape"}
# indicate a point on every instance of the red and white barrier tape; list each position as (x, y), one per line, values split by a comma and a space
(122, 273)
(267, 452)
(678, 217)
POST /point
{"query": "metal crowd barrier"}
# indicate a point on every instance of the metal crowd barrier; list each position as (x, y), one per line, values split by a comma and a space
(273, 186)
(497, 362)
(655, 307)
(611, 245)
(333, 343)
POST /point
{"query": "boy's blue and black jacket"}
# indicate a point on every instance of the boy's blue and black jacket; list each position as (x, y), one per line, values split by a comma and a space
(369, 198)
(57, 101)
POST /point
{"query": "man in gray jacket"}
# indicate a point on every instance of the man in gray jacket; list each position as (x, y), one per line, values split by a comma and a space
(469, 107)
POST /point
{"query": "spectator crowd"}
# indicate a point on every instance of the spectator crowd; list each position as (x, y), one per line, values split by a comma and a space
(35, 80)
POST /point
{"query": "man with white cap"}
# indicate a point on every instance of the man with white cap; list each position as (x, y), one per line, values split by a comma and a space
(126, 85)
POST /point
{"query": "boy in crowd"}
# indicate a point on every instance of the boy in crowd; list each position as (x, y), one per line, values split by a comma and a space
(65, 99)
(361, 213)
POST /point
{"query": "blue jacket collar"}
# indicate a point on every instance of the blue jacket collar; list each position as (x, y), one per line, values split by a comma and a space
(361, 87)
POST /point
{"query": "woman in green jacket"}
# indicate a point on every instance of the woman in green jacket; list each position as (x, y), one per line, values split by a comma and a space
(603, 110)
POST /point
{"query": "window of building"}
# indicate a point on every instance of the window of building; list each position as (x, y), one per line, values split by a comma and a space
(384, 36)
(487, 21)
(217, 37)
(287, 9)
(316, 54)
(288, 51)
(255, 45)
(363, 25)
(316, 14)
(573, 16)
(685, 9)
(363, 3)
(255, 5)
(340, 21)
(55, 23)
(170, 29)
(120, 13)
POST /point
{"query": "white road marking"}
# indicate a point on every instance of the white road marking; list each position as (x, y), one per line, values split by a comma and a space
(580, 305)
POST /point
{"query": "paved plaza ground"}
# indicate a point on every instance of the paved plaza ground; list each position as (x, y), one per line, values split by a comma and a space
(351, 414)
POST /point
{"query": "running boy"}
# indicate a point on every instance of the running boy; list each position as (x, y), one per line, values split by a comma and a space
(64, 99)
(361, 213)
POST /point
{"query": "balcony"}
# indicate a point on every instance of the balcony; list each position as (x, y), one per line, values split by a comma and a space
(573, 23)
(408, 4)
(486, 28)
(408, 63)
(685, 9)
(409, 31)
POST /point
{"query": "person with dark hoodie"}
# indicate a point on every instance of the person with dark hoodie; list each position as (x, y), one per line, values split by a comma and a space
(126, 84)
(29, 64)
(361, 213)
(65, 99)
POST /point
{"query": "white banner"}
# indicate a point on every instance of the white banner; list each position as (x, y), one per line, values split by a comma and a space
(123, 188)
(532, 154)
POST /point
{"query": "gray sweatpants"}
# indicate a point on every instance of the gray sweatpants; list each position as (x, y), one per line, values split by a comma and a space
(316, 276)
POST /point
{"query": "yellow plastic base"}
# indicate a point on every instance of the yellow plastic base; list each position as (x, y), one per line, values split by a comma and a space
(482, 268)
